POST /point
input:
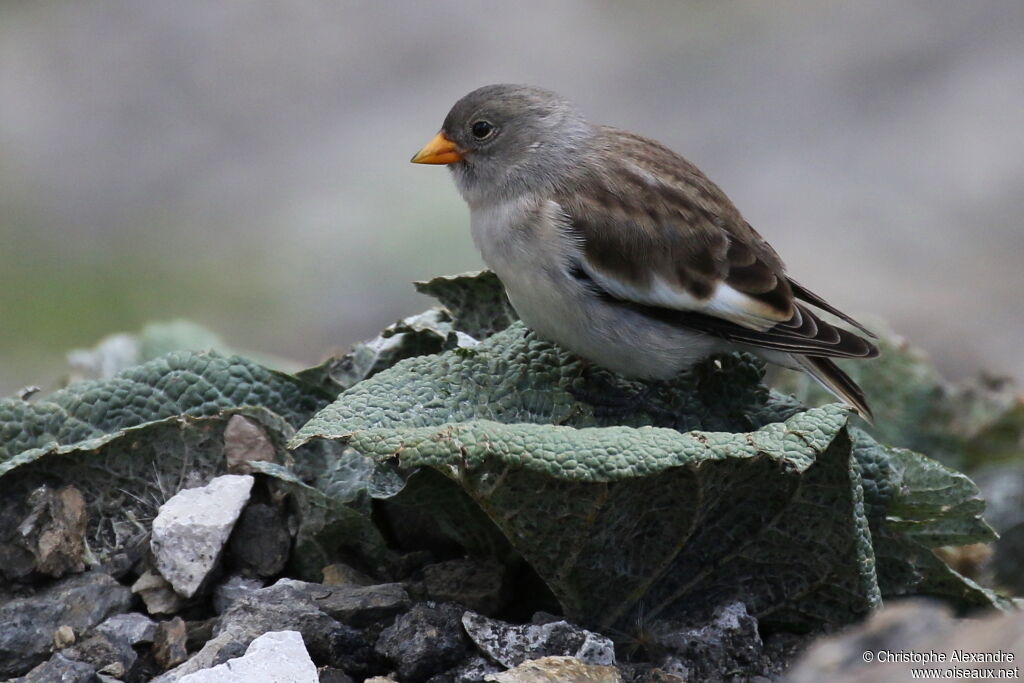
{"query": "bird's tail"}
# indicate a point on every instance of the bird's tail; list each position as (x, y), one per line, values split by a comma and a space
(837, 382)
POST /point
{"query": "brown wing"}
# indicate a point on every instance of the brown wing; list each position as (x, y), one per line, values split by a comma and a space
(656, 235)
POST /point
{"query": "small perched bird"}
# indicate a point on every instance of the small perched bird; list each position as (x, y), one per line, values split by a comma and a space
(620, 250)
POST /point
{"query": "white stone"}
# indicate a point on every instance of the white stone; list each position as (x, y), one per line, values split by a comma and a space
(275, 657)
(191, 528)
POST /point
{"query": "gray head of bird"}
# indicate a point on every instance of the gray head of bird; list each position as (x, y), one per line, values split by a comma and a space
(503, 141)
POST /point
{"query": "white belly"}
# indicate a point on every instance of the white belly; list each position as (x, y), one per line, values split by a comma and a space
(520, 243)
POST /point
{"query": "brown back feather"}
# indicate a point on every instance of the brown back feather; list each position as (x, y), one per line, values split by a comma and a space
(647, 210)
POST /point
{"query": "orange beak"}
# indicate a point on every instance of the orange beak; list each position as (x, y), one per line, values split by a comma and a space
(440, 150)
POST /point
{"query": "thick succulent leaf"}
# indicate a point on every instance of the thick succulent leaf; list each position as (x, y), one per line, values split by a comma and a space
(330, 528)
(427, 333)
(773, 515)
(117, 352)
(916, 408)
(131, 441)
(516, 377)
(86, 415)
(476, 301)
(915, 504)
(126, 476)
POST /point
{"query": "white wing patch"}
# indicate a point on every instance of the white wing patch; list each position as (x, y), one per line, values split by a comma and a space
(724, 302)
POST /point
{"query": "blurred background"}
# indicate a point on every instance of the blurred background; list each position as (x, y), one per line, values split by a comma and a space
(244, 163)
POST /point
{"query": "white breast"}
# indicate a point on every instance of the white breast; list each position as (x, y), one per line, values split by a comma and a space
(521, 242)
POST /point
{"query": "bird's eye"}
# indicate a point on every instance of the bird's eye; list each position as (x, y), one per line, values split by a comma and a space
(481, 130)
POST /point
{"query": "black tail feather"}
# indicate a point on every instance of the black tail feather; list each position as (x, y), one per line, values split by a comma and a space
(837, 382)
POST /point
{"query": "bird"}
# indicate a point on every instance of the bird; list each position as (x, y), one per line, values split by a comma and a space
(618, 249)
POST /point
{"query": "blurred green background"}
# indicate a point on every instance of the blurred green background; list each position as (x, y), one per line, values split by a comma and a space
(245, 163)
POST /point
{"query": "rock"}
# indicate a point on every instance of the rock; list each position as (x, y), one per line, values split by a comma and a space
(426, 640)
(340, 574)
(191, 528)
(912, 626)
(328, 674)
(80, 602)
(108, 654)
(59, 668)
(648, 673)
(245, 440)
(729, 642)
(275, 657)
(473, 669)
(380, 679)
(557, 670)
(477, 584)
(120, 563)
(235, 587)
(133, 628)
(198, 632)
(260, 543)
(1008, 560)
(511, 645)
(169, 643)
(157, 594)
(359, 606)
(287, 605)
(63, 637)
(44, 533)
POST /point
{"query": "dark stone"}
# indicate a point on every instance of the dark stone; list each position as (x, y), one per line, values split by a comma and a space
(169, 643)
(472, 670)
(43, 533)
(477, 584)
(412, 562)
(426, 640)
(59, 668)
(198, 632)
(352, 651)
(132, 627)
(286, 605)
(260, 542)
(232, 589)
(328, 674)
(511, 644)
(648, 673)
(232, 649)
(110, 655)
(361, 606)
(729, 642)
(120, 564)
(79, 602)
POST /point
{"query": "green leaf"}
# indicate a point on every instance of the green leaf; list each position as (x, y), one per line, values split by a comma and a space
(88, 414)
(773, 516)
(117, 352)
(427, 333)
(329, 529)
(476, 301)
(915, 407)
(915, 504)
(131, 441)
